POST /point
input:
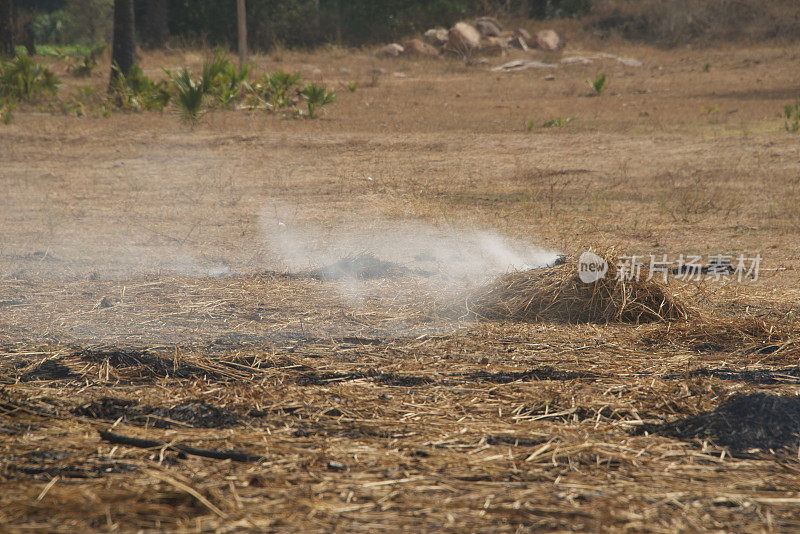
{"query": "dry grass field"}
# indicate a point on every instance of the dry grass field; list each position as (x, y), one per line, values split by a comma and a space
(158, 283)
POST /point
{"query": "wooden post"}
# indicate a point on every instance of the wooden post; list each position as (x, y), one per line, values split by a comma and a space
(241, 17)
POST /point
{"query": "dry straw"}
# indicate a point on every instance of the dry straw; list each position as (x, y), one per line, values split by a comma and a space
(558, 294)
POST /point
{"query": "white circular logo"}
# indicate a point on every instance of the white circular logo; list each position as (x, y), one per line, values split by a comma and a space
(591, 267)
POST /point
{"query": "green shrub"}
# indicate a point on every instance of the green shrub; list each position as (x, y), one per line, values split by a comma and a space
(190, 96)
(599, 83)
(137, 92)
(275, 90)
(212, 68)
(76, 22)
(63, 52)
(7, 108)
(83, 100)
(222, 80)
(84, 67)
(23, 79)
(317, 96)
(85, 64)
(558, 122)
(791, 117)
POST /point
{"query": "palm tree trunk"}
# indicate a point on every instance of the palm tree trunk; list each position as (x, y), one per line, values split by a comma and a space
(156, 27)
(6, 28)
(124, 49)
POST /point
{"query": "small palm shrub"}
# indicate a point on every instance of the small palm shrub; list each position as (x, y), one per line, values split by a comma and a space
(25, 80)
(85, 64)
(222, 80)
(83, 101)
(189, 96)
(7, 108)
(791, 117)
(137, 92)
(84, 67)
(599, 83)
(275, 91)
(317, 96)
(230, 84)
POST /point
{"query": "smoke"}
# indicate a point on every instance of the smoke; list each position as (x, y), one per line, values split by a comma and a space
(136, 285)
(448, 258)
(101, 257)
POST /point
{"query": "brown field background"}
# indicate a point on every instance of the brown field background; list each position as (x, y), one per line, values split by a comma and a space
(384, 414)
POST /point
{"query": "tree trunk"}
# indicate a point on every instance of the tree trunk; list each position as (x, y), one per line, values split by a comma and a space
(29, 38)
(6, 28)
(241, 18)
(124, 48)
(538, 9)
(23, 24)
(339, 18)
(156, 27)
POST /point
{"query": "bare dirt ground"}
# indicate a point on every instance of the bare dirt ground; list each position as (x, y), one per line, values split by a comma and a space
(155, 284)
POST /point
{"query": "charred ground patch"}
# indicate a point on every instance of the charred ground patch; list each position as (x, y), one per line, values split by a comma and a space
(542, 373)
(197, 414)
(389, 379)
(742, 423)
(142, 365)
(49, 370)
(788, 375)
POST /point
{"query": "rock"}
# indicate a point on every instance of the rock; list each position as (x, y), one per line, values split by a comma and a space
(494, 46)
(336, 466)
(629, 61)
(576, 60)
(519, 42)
(523, 34)
(521, 64)
(547, 40)
(463, 38)
(104, 302)
(391, 50)
(489, 27)
(417, 47)
(436, 37)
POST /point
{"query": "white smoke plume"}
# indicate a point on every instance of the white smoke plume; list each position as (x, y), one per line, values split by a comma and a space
(451, 257)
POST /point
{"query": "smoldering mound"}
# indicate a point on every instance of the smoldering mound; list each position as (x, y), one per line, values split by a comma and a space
(557, 294)
(364, 266)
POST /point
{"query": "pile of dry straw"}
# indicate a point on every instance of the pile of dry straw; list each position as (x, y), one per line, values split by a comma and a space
(557, 294)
